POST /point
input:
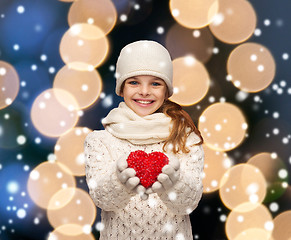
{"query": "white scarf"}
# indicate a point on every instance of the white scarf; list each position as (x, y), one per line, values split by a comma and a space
(124, 123)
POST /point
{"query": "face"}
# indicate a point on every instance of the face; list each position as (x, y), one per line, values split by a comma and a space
(144, 94)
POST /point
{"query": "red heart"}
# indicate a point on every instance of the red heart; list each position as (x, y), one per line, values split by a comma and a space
(147, 166)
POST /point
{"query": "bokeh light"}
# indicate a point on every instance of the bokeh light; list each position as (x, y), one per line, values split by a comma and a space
(251, 67)
(9, 84)
(182, 41)
(242, 183)
(215, 165)
(101, 13)
(235, 21)
(223, 126)
(190, 80)
(85, 86)
(63, 70)
(54, 112)
(239, 222)
(11, 129)
(194, 13)
(254, 234)
(72, 157)
(79, 210)
(47, 179)
(84, 46)
(72, 233)
(282, 229)
(274, 171)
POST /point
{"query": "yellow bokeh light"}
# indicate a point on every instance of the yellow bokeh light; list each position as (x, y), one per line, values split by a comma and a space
(274, 171)
(61, 198)
(269, 164)
(182, 41)
(251, 67)
(72, 232)
(9, 84)
(85, 86)
(47, 179)
(235, 21)
(253, 234)
(239, 223)
(194, 13)
(282, 228)
(54, 112)
(215, 165)
(84, 47)
(242, 183)
(190, 80)
(101, 13)
(222, 126)
(76, 207)
(69, 150)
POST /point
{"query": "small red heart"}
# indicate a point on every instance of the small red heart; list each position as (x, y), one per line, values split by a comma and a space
(147, 166)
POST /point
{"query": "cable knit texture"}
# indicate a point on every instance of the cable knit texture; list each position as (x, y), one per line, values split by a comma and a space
(124, 214)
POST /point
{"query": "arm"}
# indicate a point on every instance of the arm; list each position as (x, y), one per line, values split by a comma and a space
(184, 196)
(105, 189)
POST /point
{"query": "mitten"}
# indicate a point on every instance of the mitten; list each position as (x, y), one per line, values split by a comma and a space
(168, 178)
(127, 176)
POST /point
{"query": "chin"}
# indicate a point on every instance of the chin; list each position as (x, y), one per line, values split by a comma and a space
(143, 114)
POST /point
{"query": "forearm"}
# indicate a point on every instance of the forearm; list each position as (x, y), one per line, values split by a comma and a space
(106, 190)
(185, 195)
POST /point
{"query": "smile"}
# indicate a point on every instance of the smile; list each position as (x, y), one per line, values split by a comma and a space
(143, 102)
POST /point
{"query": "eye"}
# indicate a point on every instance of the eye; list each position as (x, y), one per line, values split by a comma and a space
(133, 82)
(156, 84)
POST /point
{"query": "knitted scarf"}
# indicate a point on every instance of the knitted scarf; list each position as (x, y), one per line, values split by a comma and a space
(124, 123)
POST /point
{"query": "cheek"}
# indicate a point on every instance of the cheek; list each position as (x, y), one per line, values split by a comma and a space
(126, 92)
(163, 94)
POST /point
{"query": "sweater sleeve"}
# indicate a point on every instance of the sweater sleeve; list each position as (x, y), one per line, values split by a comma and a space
(107, 192)
(185, 195)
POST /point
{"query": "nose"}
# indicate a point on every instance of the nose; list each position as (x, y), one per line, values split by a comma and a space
(144, 90)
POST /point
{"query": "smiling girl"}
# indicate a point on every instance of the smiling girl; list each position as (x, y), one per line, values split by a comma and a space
(146, 125)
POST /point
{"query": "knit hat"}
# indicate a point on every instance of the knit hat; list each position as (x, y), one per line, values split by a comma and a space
(144, 58)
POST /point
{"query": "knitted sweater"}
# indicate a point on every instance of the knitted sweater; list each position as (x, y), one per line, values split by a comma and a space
(124, 214)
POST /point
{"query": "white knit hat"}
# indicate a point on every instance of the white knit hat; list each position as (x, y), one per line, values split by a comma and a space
(144, 58)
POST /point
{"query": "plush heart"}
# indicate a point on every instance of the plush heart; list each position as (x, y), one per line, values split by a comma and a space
(147, 166)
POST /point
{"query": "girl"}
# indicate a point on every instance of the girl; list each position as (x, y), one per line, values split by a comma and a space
(146, 122)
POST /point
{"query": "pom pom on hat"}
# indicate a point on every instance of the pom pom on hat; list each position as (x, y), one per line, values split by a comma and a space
(144, 58)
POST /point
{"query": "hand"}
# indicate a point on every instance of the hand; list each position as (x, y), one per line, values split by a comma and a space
(169, 176)
(127, 176)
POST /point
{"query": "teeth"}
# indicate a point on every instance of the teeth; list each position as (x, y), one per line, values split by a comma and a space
(144, 102)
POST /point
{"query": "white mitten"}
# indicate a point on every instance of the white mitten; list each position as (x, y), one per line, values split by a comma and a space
(127, 176)
(169, 176)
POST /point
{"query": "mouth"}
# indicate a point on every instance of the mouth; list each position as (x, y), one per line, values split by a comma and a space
(143, 102)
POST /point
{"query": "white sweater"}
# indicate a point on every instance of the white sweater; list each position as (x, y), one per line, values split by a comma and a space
(124, 215)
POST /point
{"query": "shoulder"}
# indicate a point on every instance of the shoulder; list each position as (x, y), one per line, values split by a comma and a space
(192, 139)
(195, 150)
(103, 137)
(97, 135)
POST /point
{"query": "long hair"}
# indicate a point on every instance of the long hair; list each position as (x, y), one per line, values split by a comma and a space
(182, 126)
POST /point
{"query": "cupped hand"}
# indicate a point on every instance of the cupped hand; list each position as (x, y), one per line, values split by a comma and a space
(169, 176)
(127, 176)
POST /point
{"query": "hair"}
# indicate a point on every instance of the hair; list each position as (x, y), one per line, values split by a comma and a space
(182, 127)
